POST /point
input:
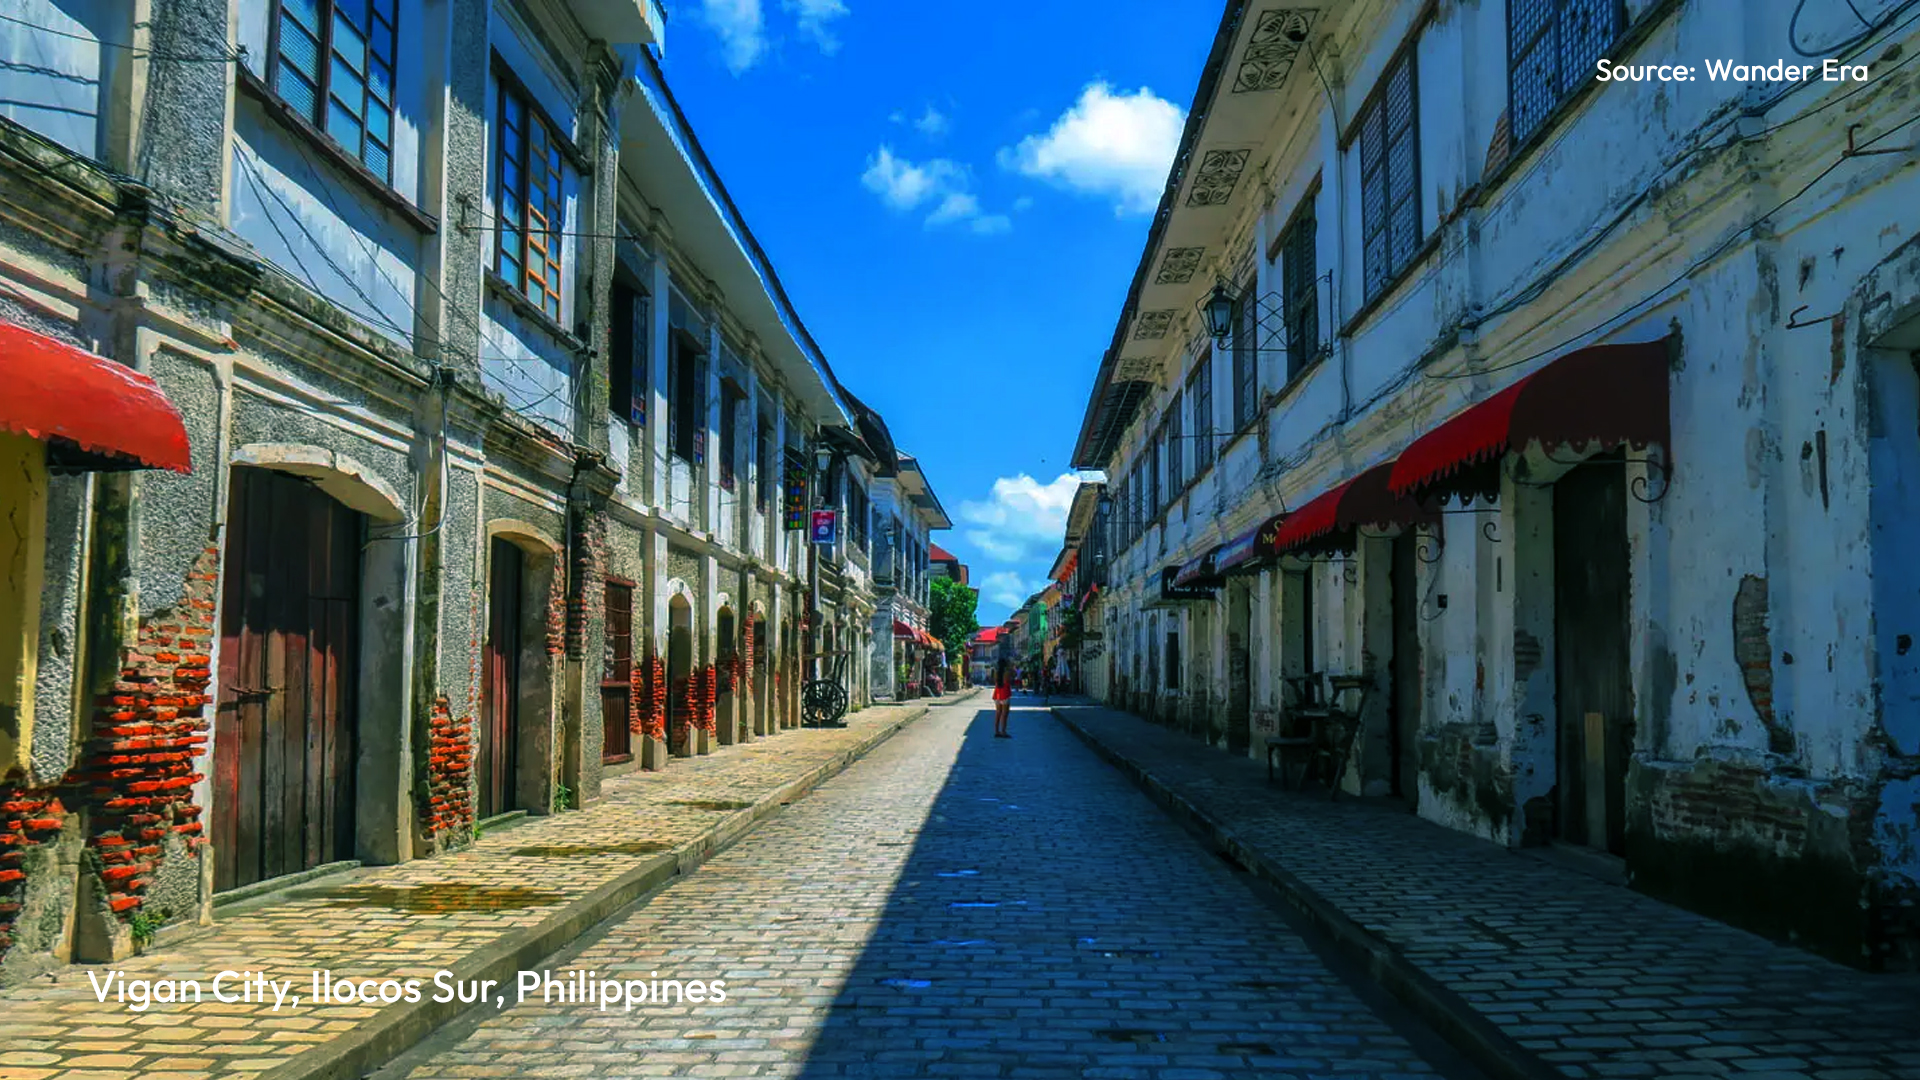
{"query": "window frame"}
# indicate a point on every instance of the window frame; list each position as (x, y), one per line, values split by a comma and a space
(1200, 394)
(616, 681)
(630, 378)
(686, 408)
(322, 80)
(1550, 36)
(1376, 108)
(732, 397)
(546, 291)
(1173, 430)
(762, 460)
(1300, 293)
(1246, 355)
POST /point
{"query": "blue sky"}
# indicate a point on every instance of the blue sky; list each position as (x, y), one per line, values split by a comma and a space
(955, 196)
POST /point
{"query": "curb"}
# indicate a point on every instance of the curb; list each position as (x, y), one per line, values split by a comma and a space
(1478, 1039)
(397, 1028)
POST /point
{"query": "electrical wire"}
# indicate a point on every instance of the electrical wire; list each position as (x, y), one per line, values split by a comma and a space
(1717, 251)
(138, 52)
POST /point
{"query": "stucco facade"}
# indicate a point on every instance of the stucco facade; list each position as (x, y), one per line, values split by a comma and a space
(1752, 752)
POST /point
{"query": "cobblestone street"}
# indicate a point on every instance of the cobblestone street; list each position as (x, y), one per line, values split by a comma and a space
(953, 906)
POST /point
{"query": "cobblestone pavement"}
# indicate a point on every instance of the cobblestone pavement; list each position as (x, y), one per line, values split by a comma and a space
(402, 922)
(1593, 978)
(953, 906)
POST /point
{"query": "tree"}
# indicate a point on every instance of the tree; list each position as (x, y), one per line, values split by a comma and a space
(953, 613)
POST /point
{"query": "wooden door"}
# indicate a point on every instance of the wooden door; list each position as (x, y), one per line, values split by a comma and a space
(1592, 677)
(1403, 671)
(284, 727)
(616, 677)
(500, 727)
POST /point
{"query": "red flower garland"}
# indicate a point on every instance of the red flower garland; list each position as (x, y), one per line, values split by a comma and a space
(657, 683)
(637, 699)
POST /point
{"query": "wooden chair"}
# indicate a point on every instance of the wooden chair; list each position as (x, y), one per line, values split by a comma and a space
(1301, 718)
(1345, 715)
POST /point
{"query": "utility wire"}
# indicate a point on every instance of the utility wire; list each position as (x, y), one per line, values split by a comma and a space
(1717, 251)
(138, 52)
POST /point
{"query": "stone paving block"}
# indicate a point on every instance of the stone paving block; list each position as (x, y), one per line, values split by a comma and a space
(410, 920)
(1523, 942)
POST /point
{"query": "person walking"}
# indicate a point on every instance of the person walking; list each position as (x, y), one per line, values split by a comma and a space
(1002, 699)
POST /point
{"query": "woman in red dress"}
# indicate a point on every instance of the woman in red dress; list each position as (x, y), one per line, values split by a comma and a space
(1002, 699)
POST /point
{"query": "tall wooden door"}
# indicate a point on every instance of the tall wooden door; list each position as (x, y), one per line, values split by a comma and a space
(1592, 675)
(284, 728)
(1403, 670)
(616, 678)
(499, 735)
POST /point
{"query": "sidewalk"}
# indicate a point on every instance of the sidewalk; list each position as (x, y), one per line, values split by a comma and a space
(1532, 969)
(484, 913)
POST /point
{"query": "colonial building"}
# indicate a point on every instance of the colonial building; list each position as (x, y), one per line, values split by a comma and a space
(905, 514)
(1569, 418)
(500, 441)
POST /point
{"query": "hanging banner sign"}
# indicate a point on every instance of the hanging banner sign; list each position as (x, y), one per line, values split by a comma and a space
(826, 526)
(796, 488)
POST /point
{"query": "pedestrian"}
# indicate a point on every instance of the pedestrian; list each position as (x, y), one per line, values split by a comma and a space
(1002, 700)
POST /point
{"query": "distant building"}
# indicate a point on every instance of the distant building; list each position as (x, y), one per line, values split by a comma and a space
(947, 564)
(983, 652)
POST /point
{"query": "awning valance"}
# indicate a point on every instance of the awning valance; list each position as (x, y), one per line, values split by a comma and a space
(1250, 546)
(903, 632)
(1198, 571)
(1604, 394)
(1332, 521)
(114, 416)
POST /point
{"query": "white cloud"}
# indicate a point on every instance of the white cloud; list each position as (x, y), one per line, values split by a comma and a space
(1022, 519)
(1116, 145)
(1023, 204)
(932, 123)
(904, 185)
(742, 28)
(1007, 588)
(814, 17)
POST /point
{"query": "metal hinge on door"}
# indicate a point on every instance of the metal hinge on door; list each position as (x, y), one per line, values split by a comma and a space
(249, 692)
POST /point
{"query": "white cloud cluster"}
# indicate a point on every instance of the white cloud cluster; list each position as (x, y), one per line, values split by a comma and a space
(1115, 145)
(905, 186)
(1007, 588)
(814, 17)
(741, 26)
(1022, 519)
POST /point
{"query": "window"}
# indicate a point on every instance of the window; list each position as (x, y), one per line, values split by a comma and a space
(1172, 667)
(686, 388)
(731, 398)
(616, 673)
(1300, 291)
(1552, 46)
(627, 367)
(1154, 491)
(1389, 177)
(1246, 356)
(857, 514)
(334, 66)
(763, 479)
(530, 197)
(1200, 392)
(1176, 473)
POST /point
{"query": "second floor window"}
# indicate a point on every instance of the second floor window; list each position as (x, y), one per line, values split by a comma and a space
(1389, 177)
(1154, 502)
(731, 398)
(1552, 46)
(686, 389)
(334, 66)
(1176, 473)
(763, 480)
(1300, 292)
(1200, 392)
(529, 192)
(627, 381)
(1246, 357)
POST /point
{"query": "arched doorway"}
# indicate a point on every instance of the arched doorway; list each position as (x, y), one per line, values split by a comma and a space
(286, 730)
(726, 701)
(760, 655)
(515, 747)
(679, 673)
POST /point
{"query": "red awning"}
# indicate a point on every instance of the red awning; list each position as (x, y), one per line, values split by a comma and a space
(1253, 544)
(1331, 520)
(903, 632)
(55, 392)
(1604, 394)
